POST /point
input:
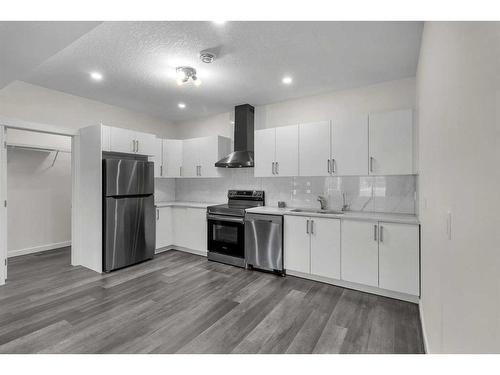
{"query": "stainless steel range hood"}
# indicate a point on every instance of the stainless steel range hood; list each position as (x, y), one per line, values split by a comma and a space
(242, 157)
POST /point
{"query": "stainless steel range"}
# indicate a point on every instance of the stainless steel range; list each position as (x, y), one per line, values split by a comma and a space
(226, 226)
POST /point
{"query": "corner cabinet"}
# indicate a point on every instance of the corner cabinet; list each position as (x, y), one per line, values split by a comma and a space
(391, 143)
(277, 152)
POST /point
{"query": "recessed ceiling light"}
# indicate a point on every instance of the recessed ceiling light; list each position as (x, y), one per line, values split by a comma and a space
(96, 76)
(287, 80)
(220, 23)
(181, 105)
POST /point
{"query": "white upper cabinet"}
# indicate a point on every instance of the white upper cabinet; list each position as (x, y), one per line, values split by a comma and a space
(157, 158)
(277, 152)
(287, 151)
(265, 152)
(314, 149)
(360, 252)
(199, 155)
(391, 143)
(349, 140)
(325, 247)
(128, 141)
(172, 157)
(399, 258)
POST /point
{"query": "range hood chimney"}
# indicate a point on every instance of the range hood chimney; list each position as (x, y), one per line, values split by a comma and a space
(242, 157)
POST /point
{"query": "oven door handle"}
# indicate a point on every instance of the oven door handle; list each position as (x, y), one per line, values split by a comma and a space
(232, 219)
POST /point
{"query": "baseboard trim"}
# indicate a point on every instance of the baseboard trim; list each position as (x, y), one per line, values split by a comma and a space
(37, 249)
(355, 286)
(422, 325)
(202, 253)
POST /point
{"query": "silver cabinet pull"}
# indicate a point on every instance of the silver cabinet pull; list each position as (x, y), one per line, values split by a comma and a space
(328, 166)
(133, 145)
(371, 163)
(381, 236)
(137, 146)
(375, 232)
(157, 214)
(161, 170)
(199, 170)
(180, 170)
(312, 226)
(277, 168)
(307, 227)
(272, 167)
(333, 165)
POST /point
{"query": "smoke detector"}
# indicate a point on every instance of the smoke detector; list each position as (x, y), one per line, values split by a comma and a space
(207, 57)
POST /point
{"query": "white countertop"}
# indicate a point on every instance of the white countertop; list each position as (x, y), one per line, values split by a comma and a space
(203, 205)
(369, 216)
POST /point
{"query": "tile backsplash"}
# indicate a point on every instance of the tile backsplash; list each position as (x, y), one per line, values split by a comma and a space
(395, 194)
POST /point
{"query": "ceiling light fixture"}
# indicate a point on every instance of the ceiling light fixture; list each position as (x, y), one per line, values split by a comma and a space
(184, 74)
(287, 80)
(181, 105)
(220, 23)
(96, 76)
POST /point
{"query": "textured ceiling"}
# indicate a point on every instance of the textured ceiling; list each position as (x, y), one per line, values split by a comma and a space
(25, 45)
(138, 59)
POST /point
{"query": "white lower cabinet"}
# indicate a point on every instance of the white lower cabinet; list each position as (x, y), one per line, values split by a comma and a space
(360, 252)
(399, 258)
(312, 246)
(325, 247)
(164, 227)
(190, 228)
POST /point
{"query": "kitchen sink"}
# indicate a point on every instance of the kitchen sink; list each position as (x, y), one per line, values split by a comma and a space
(313, 211)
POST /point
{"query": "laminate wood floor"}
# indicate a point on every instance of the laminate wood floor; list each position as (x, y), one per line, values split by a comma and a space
(181, 303)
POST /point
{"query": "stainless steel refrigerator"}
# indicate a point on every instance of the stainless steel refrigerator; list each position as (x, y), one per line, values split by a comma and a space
(129, 227)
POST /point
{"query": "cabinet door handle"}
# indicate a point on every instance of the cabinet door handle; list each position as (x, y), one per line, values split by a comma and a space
(375, 232)
(272, 167)
(312, 226)
(137, 146)
(133, 145)
(328, 166)
(307, 227)
(157, 214)
(180, 170)
(277, 168)
(161, 170)
(333, 165)
(381, 235)
(371, 163)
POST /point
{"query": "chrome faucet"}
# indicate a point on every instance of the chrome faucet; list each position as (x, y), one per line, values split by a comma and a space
(322, 201)
(345, 206)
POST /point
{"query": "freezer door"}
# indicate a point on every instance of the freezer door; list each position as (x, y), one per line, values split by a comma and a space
(264, 241)
(130, 231)
(128, 177)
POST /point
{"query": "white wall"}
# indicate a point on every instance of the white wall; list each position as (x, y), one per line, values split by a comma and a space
(27, 102)
(381, 97)
(39, 195)
(458, 85)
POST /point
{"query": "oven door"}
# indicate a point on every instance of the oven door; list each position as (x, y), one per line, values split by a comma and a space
(226, 235)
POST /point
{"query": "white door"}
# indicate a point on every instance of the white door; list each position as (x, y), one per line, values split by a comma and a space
(172, 157)
(325, 247)
(350, 145)
(157, 158)
(314, 149)
(3, 208)
(296, 244)
(360, 252)
(122, 140)
(264, 152)
(287, 150)
(208, 148)
(164, 233)
(190, 157)
(391, 143)
(146, 143)
(399, 258)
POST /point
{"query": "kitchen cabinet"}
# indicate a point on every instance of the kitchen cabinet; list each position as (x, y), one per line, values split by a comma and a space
(349, 140)
(157, 158)
(277, 152)
(399, 257)
(199, 155)
(312, 245)
(360, 252)
(128, 141)
(325, 247)
(190, 228)
(164, 227)
(172, 158)
(314, 149)
(297, 243)
(391, 143)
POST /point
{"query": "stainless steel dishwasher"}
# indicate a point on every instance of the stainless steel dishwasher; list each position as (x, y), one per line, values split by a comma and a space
(264, 242)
